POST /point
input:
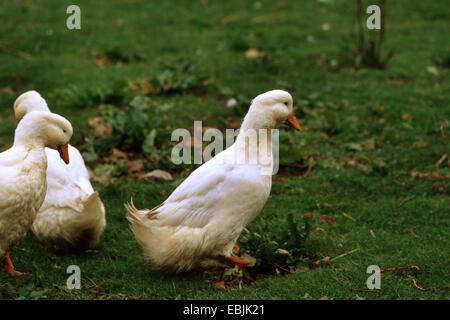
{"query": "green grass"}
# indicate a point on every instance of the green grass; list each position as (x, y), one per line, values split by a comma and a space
(401, 108)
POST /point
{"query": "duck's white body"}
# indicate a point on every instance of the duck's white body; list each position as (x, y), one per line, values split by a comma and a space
(72, 216)
(202, 219)
(22, 192)
(204, 216)
(23, 169)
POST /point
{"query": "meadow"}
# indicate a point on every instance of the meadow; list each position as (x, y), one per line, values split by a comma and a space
(366, 182)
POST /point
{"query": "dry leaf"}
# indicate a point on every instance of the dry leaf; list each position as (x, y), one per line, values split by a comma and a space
(229, 19)
(399, 82)
(420, 144)
(134, 167)
(369, 144)
(220, 284)
(325, 219)
(268, 17)
(323, 205)
(254, 54)
(101, 130)
(101, 62)
(7, 90)
(433, 70)
(115, 155)
(307, 215)
(160, 175)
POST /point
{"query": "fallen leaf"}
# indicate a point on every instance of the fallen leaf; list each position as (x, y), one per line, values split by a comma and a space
(399, 82)
(98, 124)
(307, 215)
(254, 54)
(160, 175)
(229, 19)
(322, 261)
(134, 167)
(268, 17)
(433, 70)
(146, 88)
(283, 252)
(420, 144)
(317, 230)
(405, 116)
(115, 155)
(325, 219)
(7, 90)
(300, 270)
(320, 205)
(101, 62)
(369, 144)
(220, 284)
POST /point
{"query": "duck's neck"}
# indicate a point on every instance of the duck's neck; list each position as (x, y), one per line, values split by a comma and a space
(254, 146)
(33, 154)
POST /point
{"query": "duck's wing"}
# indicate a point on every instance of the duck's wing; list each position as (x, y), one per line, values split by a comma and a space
(208, 192)
(67, 185)
(78, 171)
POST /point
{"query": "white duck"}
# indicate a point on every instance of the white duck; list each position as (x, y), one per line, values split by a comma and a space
(72, 216)
(199, 223)
(22, 171)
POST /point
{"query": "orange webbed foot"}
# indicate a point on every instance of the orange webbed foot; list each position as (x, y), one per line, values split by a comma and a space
(9, 267)
(241, 263)
(220, 284)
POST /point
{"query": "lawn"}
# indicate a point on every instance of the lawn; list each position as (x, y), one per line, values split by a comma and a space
(369, 165)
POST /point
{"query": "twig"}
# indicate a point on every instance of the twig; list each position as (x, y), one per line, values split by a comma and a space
(310, 165)
(415, 283)
(438, 163)
(368, 291)
(415, 235)
(406, 200)
(444, 141)
(412, 267)
(284, 269)
(344, 254)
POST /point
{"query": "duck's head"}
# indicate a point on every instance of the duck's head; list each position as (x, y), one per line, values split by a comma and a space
(27, 102)
(41, 128)
(270, 109)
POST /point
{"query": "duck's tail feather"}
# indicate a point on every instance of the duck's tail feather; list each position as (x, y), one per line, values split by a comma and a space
(171, 249)
(82, 229)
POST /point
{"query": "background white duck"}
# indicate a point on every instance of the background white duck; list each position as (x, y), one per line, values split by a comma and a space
(72, 216)
(199, 223)
(22, 171)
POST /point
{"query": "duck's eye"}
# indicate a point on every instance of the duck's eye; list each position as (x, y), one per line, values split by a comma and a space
(64, 130)
(286, 103)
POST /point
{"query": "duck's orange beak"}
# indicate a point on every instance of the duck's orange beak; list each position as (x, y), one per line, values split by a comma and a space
(64, 153)
(292, 122)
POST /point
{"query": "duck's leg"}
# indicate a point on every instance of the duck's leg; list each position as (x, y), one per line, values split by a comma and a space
(9, 267)
(241, 263)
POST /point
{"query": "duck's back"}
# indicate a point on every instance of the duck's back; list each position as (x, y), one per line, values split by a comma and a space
(220, 190)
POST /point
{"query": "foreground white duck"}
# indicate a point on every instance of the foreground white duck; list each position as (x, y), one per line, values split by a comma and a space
(72, 216)
(22, 170)
(198, 225)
